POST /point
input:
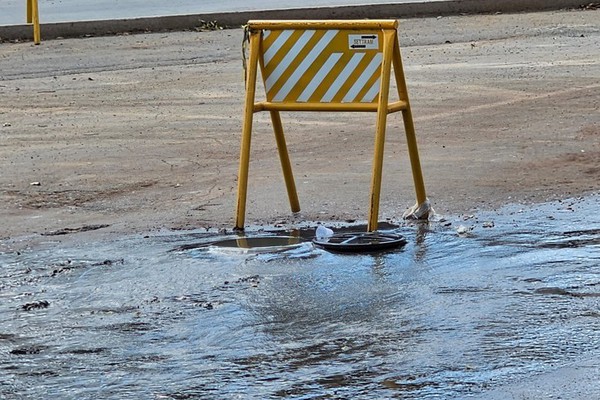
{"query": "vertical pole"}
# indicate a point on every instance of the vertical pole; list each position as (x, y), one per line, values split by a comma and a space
(284, 157)
(36, 22)
(247, 129)
(388, 43)
(29, 12)
(409, 127)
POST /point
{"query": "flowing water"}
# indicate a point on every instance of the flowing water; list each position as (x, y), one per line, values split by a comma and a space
(164, 316)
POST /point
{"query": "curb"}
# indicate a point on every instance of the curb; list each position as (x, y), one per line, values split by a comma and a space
(232, 19)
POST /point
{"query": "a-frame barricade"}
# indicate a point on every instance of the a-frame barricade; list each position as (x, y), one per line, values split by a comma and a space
(328, 65)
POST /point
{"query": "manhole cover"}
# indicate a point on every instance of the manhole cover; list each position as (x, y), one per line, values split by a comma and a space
(360, 241)
(261, 244)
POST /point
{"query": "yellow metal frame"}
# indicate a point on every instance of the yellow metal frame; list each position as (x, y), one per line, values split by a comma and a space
(391, 57)
(33, 18)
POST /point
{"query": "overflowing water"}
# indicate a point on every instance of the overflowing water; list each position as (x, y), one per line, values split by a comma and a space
(469, 304)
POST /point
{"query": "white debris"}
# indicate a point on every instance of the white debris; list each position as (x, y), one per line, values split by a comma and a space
(323, 232)
(463, 230)
(421, 211)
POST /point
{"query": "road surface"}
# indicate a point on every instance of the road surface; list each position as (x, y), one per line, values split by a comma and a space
(12, 12)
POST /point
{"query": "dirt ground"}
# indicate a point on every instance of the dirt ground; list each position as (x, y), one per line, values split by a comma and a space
(135, 133)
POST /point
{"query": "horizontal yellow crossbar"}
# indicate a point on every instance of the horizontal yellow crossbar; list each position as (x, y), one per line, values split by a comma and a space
(323, 24)
(364, 107)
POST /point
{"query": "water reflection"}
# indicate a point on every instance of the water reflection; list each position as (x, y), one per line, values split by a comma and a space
(167, 317)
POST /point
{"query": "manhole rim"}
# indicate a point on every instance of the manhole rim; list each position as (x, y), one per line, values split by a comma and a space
(391, 241)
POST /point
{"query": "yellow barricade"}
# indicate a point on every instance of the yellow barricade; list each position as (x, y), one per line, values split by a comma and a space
(329, 65)
(33, 17)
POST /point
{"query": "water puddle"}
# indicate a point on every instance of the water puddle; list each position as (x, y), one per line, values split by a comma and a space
(468, 304)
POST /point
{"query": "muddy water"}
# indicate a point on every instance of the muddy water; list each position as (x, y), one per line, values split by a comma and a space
(168, 317)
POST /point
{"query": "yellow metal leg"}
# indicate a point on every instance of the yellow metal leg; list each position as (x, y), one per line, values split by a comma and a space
(388, 42)
(286, 166)
(247, 132)
(29, 12)
(377, 170)
(413, 153)
(36, 22)
(411, 140)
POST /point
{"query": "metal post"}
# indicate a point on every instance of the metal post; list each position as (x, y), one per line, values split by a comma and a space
(388, 42)
(29, 12)
(33, 12)
(286, 166)
(409, 127)
(247, 130)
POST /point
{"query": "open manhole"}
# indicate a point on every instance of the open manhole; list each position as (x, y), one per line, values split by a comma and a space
(355, 242)
(260, 244)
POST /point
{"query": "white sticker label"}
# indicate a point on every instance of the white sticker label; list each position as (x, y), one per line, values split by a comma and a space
(368, 41)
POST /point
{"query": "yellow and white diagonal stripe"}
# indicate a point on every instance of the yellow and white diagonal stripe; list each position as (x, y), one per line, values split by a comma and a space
(320, 66)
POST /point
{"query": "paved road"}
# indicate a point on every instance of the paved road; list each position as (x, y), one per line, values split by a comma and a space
(12, 12)
(75, 18)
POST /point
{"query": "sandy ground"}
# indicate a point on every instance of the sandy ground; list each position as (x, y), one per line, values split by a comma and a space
(141, 132)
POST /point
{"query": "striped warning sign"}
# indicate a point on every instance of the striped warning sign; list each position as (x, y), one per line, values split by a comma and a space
(321, 66)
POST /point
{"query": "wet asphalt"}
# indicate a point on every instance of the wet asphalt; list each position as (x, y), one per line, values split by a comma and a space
(506, 308)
